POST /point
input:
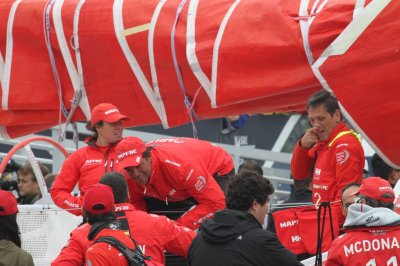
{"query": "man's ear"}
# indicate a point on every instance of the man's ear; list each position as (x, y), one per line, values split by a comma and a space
(337, 115)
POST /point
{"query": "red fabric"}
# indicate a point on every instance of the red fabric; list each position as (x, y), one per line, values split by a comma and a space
(332, 171)
(129, 152)
(184, 168)
(152, 232)
(342, 173)
(84, 167)
(372, 246)
(98, 194)
(106, 112)
(297, 229)
(106, 254)
(8, 203)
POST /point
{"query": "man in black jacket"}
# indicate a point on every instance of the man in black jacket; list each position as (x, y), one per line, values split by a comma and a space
(235, 235)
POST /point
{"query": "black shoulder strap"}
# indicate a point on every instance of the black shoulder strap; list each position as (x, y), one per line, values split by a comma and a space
(135, 257)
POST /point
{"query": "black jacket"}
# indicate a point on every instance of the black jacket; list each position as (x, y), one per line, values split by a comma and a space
(234, 238)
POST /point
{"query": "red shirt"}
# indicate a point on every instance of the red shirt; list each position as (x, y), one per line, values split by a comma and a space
(153, 233)
(84, 167)
(340, 161)
(184, 168)
(366, 246)
(105, 254)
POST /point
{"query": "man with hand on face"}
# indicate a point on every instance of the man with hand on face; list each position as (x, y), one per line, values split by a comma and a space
(329, 150)
(176, 170)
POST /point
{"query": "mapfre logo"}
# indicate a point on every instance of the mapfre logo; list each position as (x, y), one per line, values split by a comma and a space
(111, 111)
(127, 153)
(93, 161)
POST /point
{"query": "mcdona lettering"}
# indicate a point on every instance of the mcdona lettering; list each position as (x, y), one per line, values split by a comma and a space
(127, 153)
(288, 223)
(111, 111)
(371, 245)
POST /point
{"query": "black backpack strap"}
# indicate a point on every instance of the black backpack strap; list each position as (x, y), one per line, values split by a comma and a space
(135, 257)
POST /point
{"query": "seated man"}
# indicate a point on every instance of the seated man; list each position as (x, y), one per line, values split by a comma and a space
(153, 233)
(371, 228)
(235, 235)
(29, 191)
(176, 170)
(11, 253)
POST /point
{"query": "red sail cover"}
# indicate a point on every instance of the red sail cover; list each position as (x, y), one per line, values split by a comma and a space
(172, 61)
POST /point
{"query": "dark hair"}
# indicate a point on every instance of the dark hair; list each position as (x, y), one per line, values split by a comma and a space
(352, 184)
(93, 218)
(9, 229)
(380, 168)
(118, 185)
(27, 169)
(244, 188)
(324, 98)
(377, 203)
(147, 153)
(251, 166)
(93, 129)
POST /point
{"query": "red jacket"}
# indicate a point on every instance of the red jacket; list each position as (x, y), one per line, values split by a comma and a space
(152, 232)
(340, 161)
(101, 254)
(84, 167)
(366, 246)
(184, 168)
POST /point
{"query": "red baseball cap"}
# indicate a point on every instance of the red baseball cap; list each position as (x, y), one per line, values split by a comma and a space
(376, 188)
(98, 199)
(8, 203)
(129, 152)
(106, 112)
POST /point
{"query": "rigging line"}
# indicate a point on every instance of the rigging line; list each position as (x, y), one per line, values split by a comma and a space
(189, 107)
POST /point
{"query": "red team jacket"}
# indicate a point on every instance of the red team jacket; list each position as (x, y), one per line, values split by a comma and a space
(339, 161)
(366, 246)
(84, 167)
(105, 254)
(184, 168)
(153, 233)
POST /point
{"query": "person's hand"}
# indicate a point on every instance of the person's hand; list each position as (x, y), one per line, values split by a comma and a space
(310, 138)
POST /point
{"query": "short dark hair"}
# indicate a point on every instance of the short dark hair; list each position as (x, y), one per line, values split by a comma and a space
(93, 218)
(377, 203)
(324, 98)
(9, 229)
(244, 188)
(380, 168)
(250, 166)
(147, 153)
(118, 185)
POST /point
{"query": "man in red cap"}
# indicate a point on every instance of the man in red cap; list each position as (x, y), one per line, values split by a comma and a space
(86, 166)
(372, 232)
(153, 233)
(11, 253)
(176, 169)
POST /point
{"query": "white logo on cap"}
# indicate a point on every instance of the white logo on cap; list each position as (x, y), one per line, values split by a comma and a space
(127, 153)
(138, 159)
(111, 111)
